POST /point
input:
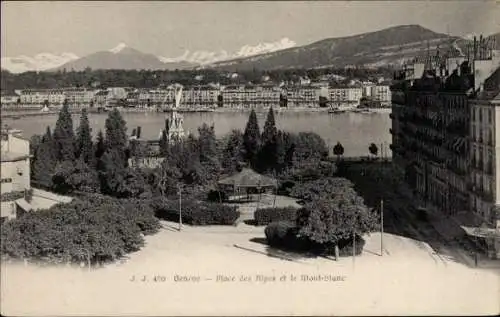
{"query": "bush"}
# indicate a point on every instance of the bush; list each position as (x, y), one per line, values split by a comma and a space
(281, 234)
(345, 247)
(265, 216)
(96, 229)
(216, 196)
(196, 213)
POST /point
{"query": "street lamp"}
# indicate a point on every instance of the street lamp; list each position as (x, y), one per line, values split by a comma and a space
(381, 227)
(179, 191)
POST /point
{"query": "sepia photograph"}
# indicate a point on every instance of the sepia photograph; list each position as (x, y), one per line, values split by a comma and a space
(250, 158)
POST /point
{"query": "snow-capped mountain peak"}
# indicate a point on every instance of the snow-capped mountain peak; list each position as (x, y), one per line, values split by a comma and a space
(208, 57)
(117, 49)
(39, 62)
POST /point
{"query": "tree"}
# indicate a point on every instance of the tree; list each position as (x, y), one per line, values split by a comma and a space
(209, 157)
(64, 136)
(308, 149)
(373, 149)
(84, 147)
(116, 131)
(268, 151)
(327, 221)
(100, 146)
(232, 155)
(70, 176)
(116, 136)
(251, 139)
(112, 171)
(220, 101)
(338, 150)
(45, 162)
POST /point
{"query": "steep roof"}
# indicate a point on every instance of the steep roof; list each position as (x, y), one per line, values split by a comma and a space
(248, 178)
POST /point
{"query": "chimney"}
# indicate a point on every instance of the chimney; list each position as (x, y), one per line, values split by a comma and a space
(139, 132)
(481, 47)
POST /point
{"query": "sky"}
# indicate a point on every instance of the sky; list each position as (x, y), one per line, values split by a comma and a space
(170, 28)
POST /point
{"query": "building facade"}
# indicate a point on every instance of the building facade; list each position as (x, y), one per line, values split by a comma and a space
(15, 174)
(443, 136)
(345, 95)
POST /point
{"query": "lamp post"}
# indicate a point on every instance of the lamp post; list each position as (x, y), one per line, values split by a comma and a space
(180, 206)
(381, 227)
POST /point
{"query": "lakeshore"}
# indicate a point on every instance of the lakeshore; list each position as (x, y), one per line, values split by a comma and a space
(354, 130)
(34, 112)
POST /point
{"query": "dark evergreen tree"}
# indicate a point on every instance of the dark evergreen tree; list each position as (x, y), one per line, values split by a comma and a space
(338, 150)
(232, 155)
(116, 131)
(268, 151)
(164, 143)
(84, 147)
(45, 161)
(251, 140)
(100, 146)
(373, 149)
(116, 137)
(64, 136)
(207, 146)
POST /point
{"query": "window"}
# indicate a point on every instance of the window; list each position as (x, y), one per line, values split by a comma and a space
(490, 116)
(6, 180)
(473, 114)
(480, 115)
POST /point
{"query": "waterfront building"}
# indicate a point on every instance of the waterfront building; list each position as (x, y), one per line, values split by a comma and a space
(381, 93)
(7, 99)
(77, 96)
(443, 131)
(204, 96)
(101, 98)
(232, 96)
(15, 174)
(345, 95)
(302, 96)
(34, 96)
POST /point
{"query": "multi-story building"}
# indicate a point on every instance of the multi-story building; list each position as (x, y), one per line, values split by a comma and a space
(443, 135)
(15, 174)
(381, 93)
(345, 95)
(200, 96)
(232, 96)
(485, 149)
(101, 98)
(302, 96)
(78, 96)
(7, 99)
(34, 96)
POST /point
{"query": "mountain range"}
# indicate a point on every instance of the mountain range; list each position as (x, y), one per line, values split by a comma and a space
(389, 46)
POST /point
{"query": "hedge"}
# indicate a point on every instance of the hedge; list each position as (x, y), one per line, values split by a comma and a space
(96, 229)
(281, 233)
(196, 213)
(264, 216)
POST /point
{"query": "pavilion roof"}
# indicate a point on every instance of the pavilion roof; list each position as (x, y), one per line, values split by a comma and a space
(248, 178)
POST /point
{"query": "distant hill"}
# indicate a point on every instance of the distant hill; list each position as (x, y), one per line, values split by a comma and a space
(380, 48)
(122, 57)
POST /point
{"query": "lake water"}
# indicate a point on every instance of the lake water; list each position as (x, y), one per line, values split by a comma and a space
(354, 130)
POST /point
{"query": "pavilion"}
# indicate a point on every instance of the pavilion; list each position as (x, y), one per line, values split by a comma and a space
(247, 179)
